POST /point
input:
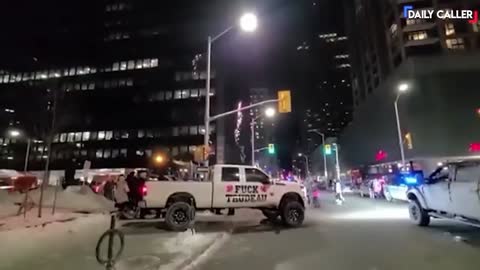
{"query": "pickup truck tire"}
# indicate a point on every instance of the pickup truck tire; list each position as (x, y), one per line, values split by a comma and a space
(270, 214)
(292, 213)
(179, 216)
(417, 214)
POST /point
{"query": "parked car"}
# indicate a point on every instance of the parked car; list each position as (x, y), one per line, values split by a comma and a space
(451, 191)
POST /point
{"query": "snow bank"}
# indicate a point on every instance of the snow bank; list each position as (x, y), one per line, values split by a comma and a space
(80, 198)
(7, 204)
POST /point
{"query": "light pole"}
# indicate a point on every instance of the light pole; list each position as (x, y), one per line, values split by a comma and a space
(402, 88)
(337, 162)
(248, 23)
(16, 133)
(269, 112)
(325, 173)
(307, 167)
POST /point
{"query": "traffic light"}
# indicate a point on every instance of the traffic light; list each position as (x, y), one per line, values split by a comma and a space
(271, 148)
(327, 149)
(284, 101)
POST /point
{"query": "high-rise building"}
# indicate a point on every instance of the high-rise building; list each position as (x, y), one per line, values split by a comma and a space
(130, 92)
(382, 39)
(436, 59)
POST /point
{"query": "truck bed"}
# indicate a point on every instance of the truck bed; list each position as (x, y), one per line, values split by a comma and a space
(159, 191)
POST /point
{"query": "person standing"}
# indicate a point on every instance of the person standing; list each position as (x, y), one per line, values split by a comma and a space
(109, 189)
(121, 192)
(338, 192)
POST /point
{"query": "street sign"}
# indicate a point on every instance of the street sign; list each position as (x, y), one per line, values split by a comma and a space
(271, 148)
(284, 101)
(328, 149)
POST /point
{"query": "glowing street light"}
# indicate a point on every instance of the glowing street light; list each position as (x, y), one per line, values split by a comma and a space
(248, 22)
(270, 112)
(159, 159)
(14, 133)
(403, 87)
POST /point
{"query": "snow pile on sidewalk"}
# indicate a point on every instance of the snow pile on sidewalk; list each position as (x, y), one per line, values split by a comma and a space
(7, 204)
(75, 198)
(36, 242)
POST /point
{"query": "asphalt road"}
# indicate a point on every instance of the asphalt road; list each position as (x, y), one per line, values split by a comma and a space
(361, 234)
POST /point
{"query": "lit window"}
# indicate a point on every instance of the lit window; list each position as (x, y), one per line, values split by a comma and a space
(141, 134)
(476, 27)
(71, 137)
(185, 93)
(193, 93)
(99, 153)
(139, 64)
(449, 29)
(86, 136)
(146, 63)
(455, 43)
(175, 131)
(154, 63)
(115, 66)
(203, 92)
(78, 136)
(123, 153)
(193, 130)
(63, 137)
(121, 83)
(124, 134)
(418, 35)
(129, 82)
(101, 135)
(115, 153)
(149, 133)
(123, 65)
(108, 135)
(168, 95)
(178, 94)
(131, 64)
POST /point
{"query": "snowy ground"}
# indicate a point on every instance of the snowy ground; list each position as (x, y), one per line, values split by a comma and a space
(71, 245)
(362, 234)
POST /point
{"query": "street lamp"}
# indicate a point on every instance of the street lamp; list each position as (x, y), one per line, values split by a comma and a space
(306, 164)
(159, 159)
(402, 88)
(248, 23)
(14, 133)
(337, 165)
(269, 112)
(325, 173)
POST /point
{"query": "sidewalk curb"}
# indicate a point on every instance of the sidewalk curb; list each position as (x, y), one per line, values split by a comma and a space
(202, 255)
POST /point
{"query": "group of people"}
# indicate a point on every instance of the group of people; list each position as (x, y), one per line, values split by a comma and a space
(126, 190)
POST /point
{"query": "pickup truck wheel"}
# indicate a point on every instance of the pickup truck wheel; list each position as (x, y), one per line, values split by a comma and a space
(417, 214)
(292, 214)
(179, 216)
(270, 214)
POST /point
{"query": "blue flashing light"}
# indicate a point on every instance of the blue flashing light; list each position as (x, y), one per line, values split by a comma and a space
(410, 180)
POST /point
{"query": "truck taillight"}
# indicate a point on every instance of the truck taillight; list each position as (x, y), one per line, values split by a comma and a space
(144, 190)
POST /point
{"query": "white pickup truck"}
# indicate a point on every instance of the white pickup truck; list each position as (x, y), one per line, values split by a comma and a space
(226, 187)
(452, 191)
